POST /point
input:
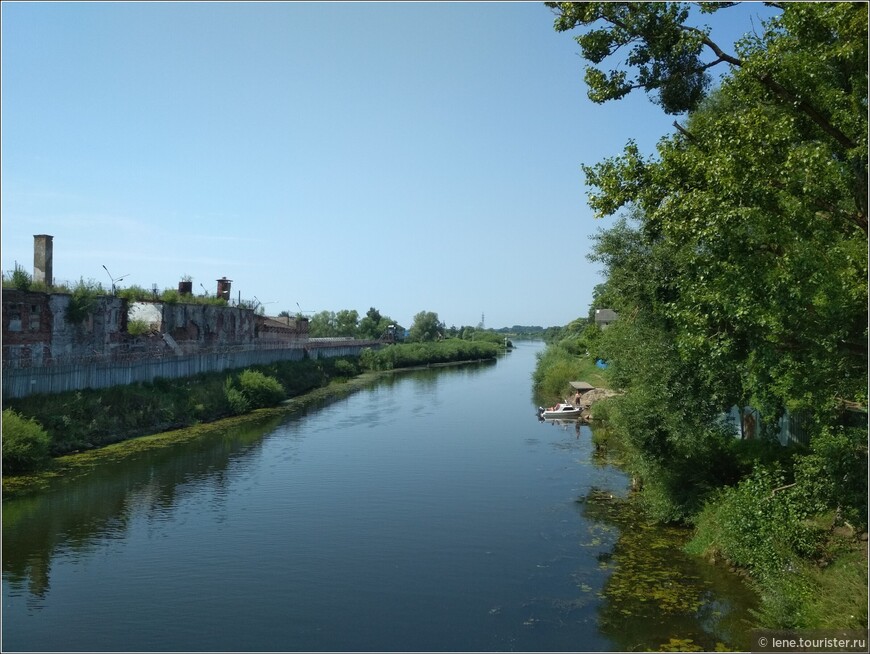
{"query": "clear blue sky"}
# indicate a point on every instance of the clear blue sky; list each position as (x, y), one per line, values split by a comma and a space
(410, 157)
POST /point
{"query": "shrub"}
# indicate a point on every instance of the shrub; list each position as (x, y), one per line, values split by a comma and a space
(138, 327)
(135, 293)
(21, 279)
(170, 296)
(236, 400)
(83, 301)
(25, 443)
(261, 390)
(760, 524)
(345, 368)
(834, 474)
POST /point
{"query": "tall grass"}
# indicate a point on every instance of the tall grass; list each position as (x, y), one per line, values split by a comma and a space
(557, 366)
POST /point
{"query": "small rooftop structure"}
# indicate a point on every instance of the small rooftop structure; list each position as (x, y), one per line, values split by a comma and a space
(581, 386)
(223, 288)
(604, 317)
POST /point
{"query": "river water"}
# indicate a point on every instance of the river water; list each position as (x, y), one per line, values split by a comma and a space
(428, 512)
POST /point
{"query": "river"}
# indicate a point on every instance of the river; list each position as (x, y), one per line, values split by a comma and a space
(431, 511)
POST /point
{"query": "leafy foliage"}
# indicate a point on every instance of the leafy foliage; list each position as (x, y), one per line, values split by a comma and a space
(83, 301)
(556, 366)
(25, 443)
(408, 355)
(739, 269)
(664, 56)
(426, 327)
(833, 475)
(759, 526)
(260, 390)
(750, 235)
(18, 279)
(137, 327)
(236, 399)
(168, 295)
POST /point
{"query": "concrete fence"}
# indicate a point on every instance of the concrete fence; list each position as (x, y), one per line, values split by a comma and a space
(62, 377)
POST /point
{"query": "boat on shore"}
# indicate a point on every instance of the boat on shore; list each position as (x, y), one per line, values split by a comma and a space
(560, 410)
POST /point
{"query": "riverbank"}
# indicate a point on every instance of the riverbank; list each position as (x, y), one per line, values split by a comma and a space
(63, 423)
(791, 519)
(377, 497)
(74, 464)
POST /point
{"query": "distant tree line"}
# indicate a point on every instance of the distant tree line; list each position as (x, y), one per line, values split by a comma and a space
(426, 327)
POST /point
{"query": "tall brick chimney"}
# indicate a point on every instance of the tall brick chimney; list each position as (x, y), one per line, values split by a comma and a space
(43, 253)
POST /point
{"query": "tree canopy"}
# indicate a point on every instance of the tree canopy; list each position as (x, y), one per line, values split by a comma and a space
(426, 327)
(748, 241)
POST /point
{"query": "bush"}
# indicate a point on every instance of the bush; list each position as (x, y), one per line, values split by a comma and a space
(236, 400)
(761, 524)
(25, 443)
(345, 368)
(137, 328)
(83, 301)
(834, 474)
(21, 279)
(170, 296)
(408, 355)
(261, 390)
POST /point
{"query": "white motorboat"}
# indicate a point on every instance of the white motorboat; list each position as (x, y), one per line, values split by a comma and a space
(561, 410)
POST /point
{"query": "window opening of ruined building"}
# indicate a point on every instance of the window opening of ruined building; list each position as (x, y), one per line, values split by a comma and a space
(15, 318)
(34, 317)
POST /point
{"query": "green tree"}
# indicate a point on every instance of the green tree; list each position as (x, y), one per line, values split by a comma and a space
(346, 322)
(756, 211)
(369, 324)
(374, 325)
(669, 58)
(740, 272)
(426, 327)
(323, 325)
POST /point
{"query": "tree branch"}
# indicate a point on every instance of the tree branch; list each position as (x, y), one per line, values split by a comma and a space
(777, 88)
(808, 109)
(682, 130)
(781, 488)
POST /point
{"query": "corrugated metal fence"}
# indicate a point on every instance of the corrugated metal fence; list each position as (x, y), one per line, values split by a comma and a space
(62, 377)
(748, 423)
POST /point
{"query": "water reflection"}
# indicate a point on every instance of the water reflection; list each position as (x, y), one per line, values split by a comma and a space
(79, 515)
(655, 595)
(456, 531)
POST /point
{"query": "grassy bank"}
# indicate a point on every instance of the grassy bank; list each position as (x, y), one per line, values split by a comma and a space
(557, 366)
(38, 428)
(70, 466)
(792, 519)
(82, 420)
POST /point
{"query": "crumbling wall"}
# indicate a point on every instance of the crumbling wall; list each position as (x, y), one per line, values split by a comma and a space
(27, 326)
(198, 325)
(36, 329)
(99, 334)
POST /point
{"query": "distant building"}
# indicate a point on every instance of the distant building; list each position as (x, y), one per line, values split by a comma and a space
(283, 329)
(605, 317)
